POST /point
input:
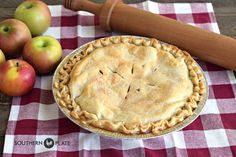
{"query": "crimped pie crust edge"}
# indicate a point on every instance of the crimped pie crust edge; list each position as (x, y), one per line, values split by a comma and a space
(62, 95)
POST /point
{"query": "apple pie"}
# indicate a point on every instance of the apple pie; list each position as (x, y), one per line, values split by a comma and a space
(130, 85)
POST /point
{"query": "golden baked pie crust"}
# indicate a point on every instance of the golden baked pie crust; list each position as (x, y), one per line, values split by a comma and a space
(134, 70)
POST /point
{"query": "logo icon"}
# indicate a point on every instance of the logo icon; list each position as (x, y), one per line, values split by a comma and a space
(48, 143)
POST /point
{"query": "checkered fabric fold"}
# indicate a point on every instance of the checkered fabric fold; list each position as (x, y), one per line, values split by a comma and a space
(36, 127)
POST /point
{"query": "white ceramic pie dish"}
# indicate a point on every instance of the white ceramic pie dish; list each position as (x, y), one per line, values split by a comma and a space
(174, 128)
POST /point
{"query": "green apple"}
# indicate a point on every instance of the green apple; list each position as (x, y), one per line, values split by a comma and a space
(35, 14)
(43, 53)
(2, 57)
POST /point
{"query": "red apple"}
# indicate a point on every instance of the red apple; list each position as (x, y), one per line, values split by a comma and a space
(17, 77)
(35, 14)
(13, 36)
(2, 57)
(43, 53)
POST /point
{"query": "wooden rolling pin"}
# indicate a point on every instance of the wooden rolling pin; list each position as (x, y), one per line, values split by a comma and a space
(206, 45)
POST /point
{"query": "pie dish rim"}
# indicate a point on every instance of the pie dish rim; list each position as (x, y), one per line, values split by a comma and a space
(174, 128)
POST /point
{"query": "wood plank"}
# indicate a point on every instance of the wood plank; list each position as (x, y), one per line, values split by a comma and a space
(15, 3)
(1, 144)
(4, 114)
(228, 29)
(216, 3)
(6, 13)
(226, 18)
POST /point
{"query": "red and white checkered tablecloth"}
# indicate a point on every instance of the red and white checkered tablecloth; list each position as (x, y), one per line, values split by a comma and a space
(35, 117)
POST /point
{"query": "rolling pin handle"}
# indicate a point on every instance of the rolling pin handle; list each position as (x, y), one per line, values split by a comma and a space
(85, 5)
(106, 12)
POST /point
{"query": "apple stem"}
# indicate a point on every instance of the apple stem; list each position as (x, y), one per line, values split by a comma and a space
(5, 29)
(17, 64)
(29, 6)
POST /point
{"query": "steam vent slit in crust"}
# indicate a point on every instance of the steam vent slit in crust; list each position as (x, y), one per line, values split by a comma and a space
(130, 85)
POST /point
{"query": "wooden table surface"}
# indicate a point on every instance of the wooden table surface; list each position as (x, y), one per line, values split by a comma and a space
(225, 11)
